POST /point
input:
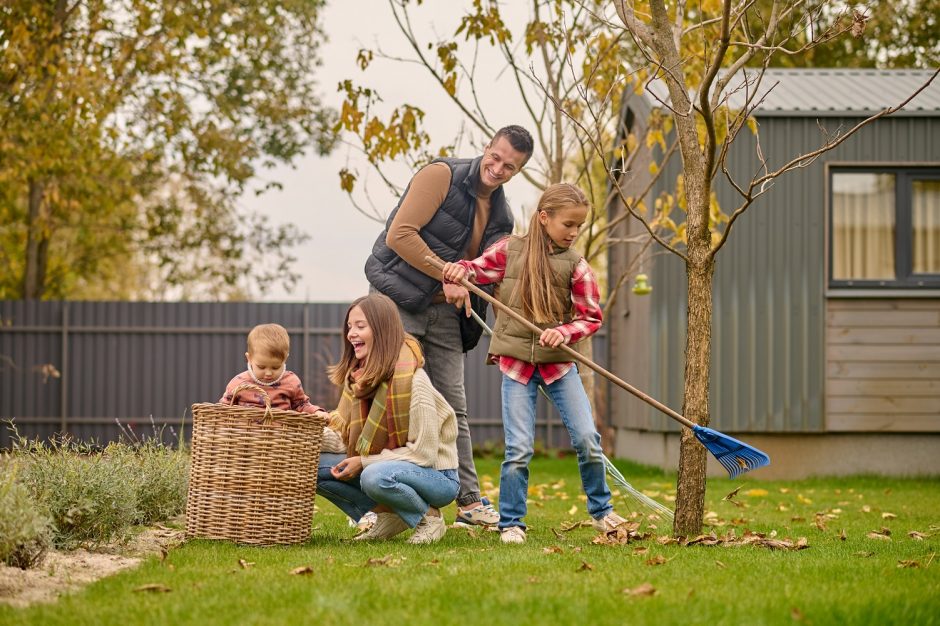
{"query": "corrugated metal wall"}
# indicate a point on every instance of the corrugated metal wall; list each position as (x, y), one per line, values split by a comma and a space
(768, 356)
(133, 360)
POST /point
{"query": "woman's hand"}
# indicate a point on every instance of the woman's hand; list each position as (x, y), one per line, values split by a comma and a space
(551, 337)
(454, 272)
(348, 468)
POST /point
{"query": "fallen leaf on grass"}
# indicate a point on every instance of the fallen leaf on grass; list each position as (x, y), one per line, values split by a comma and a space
(569, 526)
(645, 589)
(884, 534)
(573, 509)
(720, 564)
(797, 518)
(303, 570)
(552, 550)
(796, 615)
(433, 562)
(657, 560)
(731, 495)
(902, 564)
(666, 540)
(639, 550)
(819, 521)
(756, 493)
(887, 515)
(557, 534)
(917, 536)
(385, 561)
(245, 564)
(865, 554)
(621, 535)
(153, 588)
(842, 535)
(866, 509)
(586, 567)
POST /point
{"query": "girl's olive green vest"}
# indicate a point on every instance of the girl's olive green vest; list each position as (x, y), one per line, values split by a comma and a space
(511, 338)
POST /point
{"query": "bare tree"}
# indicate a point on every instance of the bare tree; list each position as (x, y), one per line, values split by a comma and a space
(710, 58)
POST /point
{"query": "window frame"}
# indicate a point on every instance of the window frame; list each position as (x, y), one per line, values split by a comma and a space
(904, 177)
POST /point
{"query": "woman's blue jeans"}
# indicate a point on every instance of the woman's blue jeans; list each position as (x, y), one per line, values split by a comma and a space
(569, 397)
(408, 489)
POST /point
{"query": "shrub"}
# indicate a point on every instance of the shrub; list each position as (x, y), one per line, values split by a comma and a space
(91, 498)
(24, 531)
(94, 496)
(161, 479)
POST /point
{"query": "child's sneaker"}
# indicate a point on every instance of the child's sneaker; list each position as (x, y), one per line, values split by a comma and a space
(482, 514)
(430, 529)
(386, 525)
(513, 534)
(607, 523)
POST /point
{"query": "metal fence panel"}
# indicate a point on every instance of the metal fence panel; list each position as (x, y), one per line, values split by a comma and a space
(82, 367)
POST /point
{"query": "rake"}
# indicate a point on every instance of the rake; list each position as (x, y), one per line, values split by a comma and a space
(735, 456)
(632, 491)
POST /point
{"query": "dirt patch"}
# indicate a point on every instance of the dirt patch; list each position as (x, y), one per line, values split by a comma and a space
(63, 572)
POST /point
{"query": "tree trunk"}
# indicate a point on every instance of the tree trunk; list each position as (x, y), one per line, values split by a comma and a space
(690, 490)
(37, 243)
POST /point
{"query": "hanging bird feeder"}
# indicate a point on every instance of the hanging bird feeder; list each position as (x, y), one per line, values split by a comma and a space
(642, 285)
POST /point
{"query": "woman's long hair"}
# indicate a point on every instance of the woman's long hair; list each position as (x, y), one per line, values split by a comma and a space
(388, 335)
(540, 301)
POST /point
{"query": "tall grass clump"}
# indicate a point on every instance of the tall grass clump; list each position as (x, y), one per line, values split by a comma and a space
(95, 496)
(25, 533)
(160, 475)
(90, 496)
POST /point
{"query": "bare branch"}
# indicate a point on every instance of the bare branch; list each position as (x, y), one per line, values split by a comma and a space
(763, 183)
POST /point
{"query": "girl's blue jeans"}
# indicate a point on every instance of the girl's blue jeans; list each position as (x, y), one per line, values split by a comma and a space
(569, 397)
(408, 489)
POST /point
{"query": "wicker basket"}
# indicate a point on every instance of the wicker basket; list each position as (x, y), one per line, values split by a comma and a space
(253, 475)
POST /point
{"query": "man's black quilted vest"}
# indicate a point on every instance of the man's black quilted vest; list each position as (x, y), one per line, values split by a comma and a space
(446, 234)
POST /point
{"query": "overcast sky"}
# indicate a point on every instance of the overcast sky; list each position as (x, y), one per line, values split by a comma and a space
(331, 262)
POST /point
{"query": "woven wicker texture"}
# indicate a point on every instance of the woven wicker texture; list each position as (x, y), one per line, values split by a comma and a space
(253, 475)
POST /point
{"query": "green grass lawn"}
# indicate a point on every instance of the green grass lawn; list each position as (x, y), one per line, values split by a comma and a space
(471, 578)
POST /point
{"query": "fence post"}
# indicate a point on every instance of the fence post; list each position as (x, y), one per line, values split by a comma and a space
(306, 349)
(64, 385)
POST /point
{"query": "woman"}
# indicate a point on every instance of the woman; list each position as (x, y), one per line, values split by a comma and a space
(399, 432)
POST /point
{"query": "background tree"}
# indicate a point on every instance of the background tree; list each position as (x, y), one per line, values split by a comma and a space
(129, 128)
(567, 76)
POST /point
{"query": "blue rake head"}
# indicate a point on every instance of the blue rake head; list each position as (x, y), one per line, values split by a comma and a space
(736, 456)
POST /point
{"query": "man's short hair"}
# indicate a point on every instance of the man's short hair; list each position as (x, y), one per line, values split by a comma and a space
(518, 137)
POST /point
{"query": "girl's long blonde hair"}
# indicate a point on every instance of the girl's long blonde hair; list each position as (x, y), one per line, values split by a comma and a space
(539, 300)
(388, 335)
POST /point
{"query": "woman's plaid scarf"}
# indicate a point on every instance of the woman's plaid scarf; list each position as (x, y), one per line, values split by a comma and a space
(384, 424)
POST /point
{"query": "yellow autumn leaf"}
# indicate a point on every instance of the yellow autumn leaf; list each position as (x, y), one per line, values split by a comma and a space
(756, 493)
(573, 509)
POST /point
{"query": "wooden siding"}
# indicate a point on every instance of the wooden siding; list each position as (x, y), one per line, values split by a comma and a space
(883, 365)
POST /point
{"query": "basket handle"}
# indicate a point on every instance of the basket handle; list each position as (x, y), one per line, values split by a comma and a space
(264, 395)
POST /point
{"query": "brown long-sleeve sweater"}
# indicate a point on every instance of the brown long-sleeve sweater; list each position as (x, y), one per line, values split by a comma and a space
(428, 189)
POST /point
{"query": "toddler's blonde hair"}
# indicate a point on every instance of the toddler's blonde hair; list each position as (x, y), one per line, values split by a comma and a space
(271, 339)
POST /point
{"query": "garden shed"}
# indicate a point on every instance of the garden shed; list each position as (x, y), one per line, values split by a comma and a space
(826, 328)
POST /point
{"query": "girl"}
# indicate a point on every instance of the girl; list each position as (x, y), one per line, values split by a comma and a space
(544, 280)
(399, 432)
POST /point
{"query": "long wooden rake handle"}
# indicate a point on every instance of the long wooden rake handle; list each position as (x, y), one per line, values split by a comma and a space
(576, 356)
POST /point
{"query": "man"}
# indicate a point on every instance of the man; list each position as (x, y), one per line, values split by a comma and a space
(452, 209)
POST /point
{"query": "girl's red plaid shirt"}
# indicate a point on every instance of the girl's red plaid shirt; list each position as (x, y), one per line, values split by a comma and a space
(490, 267)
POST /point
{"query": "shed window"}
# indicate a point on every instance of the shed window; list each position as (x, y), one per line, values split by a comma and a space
(885, 228)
